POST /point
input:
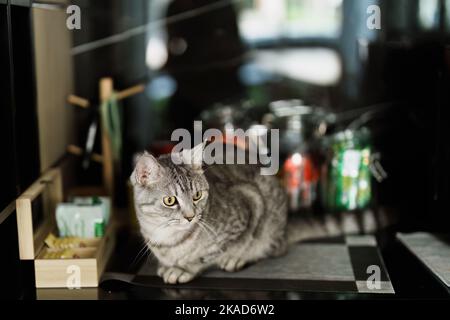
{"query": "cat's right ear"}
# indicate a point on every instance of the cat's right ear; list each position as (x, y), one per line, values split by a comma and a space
(147, 170)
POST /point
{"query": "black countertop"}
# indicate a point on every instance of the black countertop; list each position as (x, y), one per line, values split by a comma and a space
(410, 279)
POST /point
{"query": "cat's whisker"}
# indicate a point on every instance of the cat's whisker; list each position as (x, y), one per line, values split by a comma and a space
(207, 233)
(161, 226)
(200, 223)
(150, 253)
(144, 250)
(174, 221)
(212, 230)
(212, 219)
(212, 235)
(139, 255)
(207, 225)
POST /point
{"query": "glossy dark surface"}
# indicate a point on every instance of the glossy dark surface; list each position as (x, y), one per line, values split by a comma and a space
(25, 119)
(411, 280)
(19, 143)
(7, 160)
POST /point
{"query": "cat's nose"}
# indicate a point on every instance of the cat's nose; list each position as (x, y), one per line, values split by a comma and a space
(189, 216)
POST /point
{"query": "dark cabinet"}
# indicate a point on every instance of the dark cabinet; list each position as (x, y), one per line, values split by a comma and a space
(19, 143)
(8, 186)
(10, 267)
(24, 92)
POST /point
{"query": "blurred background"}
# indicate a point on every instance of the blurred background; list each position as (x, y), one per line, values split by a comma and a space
(362, 112)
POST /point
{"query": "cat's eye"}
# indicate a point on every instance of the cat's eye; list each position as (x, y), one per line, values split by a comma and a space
(197, 196)
(170, 201)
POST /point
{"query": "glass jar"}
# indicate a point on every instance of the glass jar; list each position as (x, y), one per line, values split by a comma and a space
(346, 183)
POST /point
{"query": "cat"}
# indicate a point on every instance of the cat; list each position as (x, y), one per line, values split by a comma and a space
(226, 216)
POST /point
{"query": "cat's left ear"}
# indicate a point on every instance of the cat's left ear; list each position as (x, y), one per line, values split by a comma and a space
(147, 171)
(194, 157)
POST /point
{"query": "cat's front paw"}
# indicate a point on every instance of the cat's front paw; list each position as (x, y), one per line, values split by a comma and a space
(232, 264)
(174, 275)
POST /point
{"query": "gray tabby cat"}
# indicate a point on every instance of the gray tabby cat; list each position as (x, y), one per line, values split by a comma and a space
(227, 216)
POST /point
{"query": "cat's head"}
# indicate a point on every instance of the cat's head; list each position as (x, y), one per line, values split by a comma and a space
(169, 198)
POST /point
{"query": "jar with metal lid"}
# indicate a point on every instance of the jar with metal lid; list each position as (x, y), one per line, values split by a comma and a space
(346, 178)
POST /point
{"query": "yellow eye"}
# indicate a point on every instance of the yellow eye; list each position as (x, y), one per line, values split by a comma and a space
(197, 196)
(170, 201)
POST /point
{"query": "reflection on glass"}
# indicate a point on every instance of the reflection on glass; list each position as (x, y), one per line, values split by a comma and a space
(320, 66)
(428, 13)
(268, 19)
(156, 53)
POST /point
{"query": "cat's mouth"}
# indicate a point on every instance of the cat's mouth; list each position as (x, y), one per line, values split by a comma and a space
(172, 232)
(182, 224)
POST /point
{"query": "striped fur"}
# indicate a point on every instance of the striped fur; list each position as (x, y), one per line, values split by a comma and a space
(241, 218)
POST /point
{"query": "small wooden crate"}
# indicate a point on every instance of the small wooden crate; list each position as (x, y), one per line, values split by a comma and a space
(34, 226)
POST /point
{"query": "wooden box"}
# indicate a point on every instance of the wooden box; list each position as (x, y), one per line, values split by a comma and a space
(36, 220)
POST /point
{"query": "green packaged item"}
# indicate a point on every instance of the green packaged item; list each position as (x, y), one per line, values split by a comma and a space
(84, 217)
(85, 221)
(104, 202)
(349, 180)
(99, 228)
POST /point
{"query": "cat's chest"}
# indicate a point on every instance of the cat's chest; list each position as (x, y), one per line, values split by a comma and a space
(186, 252)
(176, 255)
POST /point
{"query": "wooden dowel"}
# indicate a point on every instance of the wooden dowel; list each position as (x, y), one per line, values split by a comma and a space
(97, 157)
(106, 88)
(75, 150)
(78, 101)
(130, 91)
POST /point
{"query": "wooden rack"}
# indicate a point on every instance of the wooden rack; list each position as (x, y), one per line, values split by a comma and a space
(106, 89)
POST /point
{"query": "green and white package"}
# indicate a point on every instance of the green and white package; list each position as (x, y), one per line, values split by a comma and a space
(104, 202)
(80, 220)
